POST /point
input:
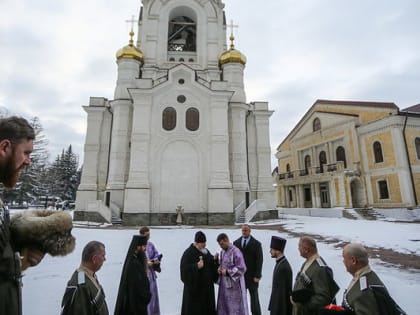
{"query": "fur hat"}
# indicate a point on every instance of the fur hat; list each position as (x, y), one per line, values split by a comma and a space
(47, 230)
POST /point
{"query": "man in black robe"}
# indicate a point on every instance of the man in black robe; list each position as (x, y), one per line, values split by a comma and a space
(134, 291)
(198, 273)
(282, 279)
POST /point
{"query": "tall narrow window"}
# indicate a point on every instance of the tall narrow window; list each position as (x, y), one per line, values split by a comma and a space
(417, 143)
(383, 189)
(377, 151)
(322, 160)
(182, 34)
(340, 155)
(307, 164)
(316, 124)
(288, 168)
(192, 119)
(169, 118)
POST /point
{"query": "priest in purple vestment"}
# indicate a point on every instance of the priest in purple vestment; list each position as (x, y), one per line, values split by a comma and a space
(232, 298)
(153, 264)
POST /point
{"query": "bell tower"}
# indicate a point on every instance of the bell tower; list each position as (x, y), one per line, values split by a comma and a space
(182, 31)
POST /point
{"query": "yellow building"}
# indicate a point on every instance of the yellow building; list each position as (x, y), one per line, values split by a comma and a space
(351, 154)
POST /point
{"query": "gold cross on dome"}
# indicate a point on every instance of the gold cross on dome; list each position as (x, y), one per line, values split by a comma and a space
(132, 21)
(232, 26)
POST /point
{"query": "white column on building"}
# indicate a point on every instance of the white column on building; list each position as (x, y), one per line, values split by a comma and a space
(98, 119)
(233, 74)
(137, 192)
(265, 188)
(401, 161)
(220, 197)
(317, 203)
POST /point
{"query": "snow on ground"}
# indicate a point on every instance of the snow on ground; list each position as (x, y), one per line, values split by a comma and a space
(44, 284)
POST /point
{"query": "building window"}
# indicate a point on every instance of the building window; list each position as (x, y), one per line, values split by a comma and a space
(288, 168)
(377, 151)
(383, 189)
(307, 164)
(417, 142)
(308, 196)
(192, 119)
(182, 34)
(181, 99)
(322, 160)
(316, 124)
(340, 155)
(169, 118)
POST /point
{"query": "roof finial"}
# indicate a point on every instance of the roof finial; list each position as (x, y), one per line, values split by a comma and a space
(132, 21)
(232, 38)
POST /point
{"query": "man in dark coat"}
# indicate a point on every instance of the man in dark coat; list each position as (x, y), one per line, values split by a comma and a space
(134, 291)
(16, 145)
(253, 255)
(84, 295)
(314, 286)
(282, 279)
(198, 273)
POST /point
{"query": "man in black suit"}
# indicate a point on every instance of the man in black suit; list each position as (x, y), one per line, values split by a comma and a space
(253, 255)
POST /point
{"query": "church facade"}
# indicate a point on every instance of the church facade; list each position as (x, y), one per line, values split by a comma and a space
(351, 154)
(179, 133)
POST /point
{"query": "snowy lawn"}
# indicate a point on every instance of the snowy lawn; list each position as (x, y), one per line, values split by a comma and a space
(44, 285)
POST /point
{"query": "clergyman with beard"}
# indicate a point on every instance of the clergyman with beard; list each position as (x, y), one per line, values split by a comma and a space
(198, 273)
(16, 144)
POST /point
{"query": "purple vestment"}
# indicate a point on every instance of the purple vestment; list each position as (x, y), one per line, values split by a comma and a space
(232, 299)
(153, 306)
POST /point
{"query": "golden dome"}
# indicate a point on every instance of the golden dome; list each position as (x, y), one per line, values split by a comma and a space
(232, 55)
(130, 51)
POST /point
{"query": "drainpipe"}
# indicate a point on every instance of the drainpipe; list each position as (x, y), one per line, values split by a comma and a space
(409, 161)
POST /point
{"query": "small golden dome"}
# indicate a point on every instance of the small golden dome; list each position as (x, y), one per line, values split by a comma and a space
(232, 55)
(130, 51)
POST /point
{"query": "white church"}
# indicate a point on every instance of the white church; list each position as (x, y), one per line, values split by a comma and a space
(179, 143)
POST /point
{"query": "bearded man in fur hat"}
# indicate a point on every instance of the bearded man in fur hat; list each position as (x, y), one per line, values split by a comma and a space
(28, 236)
(16, 145)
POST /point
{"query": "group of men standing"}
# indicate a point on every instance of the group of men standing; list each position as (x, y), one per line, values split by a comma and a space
(236, 269)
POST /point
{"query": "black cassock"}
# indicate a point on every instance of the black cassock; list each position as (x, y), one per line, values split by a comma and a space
(281, 289)
(198, 296)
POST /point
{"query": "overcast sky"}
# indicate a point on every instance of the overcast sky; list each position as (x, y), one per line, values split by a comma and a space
(54, 55)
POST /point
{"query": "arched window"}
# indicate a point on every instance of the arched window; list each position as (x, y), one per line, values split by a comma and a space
(169, 118)
(307, 164)
(316, 124)
(182, 34)
(340, 155)
(322, 160)
(192, 119)
(288, 168)
(377, 151)
(417, 143)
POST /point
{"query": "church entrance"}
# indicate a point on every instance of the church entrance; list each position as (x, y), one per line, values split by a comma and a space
(179, 181)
